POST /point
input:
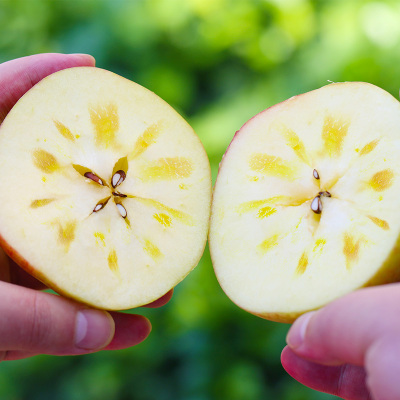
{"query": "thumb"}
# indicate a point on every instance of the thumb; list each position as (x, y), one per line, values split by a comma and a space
(44, 323)
(360, 329)
(346, 329)
(19, 75)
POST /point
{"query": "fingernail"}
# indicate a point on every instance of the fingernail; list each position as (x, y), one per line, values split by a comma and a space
(94, 329)
(84, 55)
(297, 333)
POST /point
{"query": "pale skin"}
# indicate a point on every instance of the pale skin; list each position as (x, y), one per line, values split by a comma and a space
(351, 347)
(34, 322)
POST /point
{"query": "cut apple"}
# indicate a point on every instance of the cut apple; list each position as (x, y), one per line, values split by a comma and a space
(306, 206)
(106, 190)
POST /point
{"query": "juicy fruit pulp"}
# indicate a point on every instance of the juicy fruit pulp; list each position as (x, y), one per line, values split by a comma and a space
(106, 189)
(306, 204)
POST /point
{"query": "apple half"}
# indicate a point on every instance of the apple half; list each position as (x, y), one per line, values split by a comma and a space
(306, 206)
(106, 190)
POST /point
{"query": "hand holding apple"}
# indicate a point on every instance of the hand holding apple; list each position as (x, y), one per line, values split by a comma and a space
(351, 347)
(107, 189)
(32, 322)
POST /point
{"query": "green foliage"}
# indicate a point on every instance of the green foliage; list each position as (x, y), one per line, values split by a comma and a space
(218, 62)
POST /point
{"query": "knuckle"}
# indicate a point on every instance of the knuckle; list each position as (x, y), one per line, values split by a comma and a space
(39, 322)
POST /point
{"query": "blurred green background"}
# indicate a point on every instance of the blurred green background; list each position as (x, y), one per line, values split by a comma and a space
(218, 62)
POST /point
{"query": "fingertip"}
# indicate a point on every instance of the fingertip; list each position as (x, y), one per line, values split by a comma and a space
(296, 335)
(161, 301)
(19, 75)
(144, 328)
(346, 381)
(284, 357)
(85, 59)
(148, 327)
(130, 330)
(94, 329)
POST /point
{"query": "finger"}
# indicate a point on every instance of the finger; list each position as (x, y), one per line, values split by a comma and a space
(11, 272)
(130, 330)
(346, 381)
(161, 301)
(344, 330)
(16, 355)
(4, 267)
(383, 368)
(20, 277)
(18, 76)
(43, 323)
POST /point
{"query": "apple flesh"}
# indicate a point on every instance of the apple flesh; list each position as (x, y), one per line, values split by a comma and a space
(106, 190)
(307, 199)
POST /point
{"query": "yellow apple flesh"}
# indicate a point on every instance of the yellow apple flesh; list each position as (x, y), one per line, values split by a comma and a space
(306, 206)
(106, 190)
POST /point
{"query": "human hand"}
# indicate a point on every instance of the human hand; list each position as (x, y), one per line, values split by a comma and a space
(351, 347)
(34, 322)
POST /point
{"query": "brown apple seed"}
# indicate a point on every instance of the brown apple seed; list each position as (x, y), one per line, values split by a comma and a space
(118, 178)
(316, 205)
(325, 194)
(101, 204)
(118, 194)
(93, 177)
(122, 210)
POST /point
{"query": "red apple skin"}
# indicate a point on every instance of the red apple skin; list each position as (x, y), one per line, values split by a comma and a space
(388, 273)
(30, 269)
(277, 317)
(22, 262)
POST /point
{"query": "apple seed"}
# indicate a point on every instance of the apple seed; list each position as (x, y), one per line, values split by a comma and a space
(93, 177)
(98, 207)
(325, 194)
(119, 194)
(316, 174)
(118, 178)
(122, 210)
(316, 205)
(101, 204)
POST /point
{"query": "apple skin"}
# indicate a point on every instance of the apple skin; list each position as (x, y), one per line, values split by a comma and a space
(287, 318)
(388, 273)
(30, 269)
